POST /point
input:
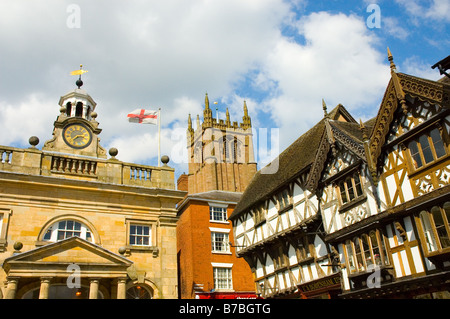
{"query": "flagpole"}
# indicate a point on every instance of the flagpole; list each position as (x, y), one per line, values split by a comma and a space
(159, 137)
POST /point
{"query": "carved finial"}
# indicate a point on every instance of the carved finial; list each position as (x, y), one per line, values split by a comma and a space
(247, 122)
(206, 101)
(324, 106)
(198, 121)
(391, 60)
(207, 113)
(363, 130)
(228, 122)
(189, 122)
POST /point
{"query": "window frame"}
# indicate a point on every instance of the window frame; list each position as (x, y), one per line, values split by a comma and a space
(343, 183)
(225, 241)
(152, 236)
(259, 214)
(140, 233)
(356, 253)
(224, 213)
(4, 224)
(54, 230)
(283, 199)
(228, 279)
(429, 230)
(426, 132)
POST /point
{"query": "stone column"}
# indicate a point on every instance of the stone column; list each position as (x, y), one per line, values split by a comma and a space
(11, 287)
(45, 285)
(93, 289)
(121, 288)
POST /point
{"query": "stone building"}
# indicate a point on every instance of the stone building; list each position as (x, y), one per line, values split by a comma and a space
(221, 165)
(77, 223)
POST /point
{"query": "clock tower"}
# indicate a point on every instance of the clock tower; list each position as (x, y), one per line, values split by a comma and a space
(76, 128)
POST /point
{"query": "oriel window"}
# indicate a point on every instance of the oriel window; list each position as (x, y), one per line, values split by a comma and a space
(283, 198)
(427, 148)
(350, 188)
(436, 227)
(366, 250)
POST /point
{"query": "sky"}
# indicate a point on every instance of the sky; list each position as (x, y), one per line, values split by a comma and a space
(282, 57)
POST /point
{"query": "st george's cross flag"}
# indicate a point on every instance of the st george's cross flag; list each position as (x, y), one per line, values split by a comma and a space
(142, 116)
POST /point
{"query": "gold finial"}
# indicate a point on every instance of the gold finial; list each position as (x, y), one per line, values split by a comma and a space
(391, 60)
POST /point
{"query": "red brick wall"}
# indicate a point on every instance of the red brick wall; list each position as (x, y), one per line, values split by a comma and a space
(194, 247)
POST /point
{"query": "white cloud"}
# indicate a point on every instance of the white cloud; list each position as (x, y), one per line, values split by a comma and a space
(169, 53)
(33, 116)
(338, 63)
(438, 10)
(415, 66)
(392, 27)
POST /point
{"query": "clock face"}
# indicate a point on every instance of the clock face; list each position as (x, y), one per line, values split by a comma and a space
(77, 136)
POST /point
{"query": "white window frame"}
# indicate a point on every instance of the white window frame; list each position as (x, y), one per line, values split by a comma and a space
(142, 235)
(54, 229)
(226, 240)
(213, 205)
(152, 234)
(228, 279)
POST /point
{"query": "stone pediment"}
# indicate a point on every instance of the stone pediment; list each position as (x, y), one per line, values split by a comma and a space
(57, 256)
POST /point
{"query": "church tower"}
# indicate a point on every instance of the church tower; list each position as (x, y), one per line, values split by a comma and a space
(220, 153)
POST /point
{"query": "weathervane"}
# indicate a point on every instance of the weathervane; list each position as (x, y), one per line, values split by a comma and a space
(79, 83)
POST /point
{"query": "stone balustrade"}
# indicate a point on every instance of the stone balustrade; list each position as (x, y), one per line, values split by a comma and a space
(37, 162)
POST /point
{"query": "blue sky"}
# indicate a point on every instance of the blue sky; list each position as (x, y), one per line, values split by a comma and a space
(282, 57)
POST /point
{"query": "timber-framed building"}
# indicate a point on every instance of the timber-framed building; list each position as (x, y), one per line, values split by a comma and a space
(365, 212)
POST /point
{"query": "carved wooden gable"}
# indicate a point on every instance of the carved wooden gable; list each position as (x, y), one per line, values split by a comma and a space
(418, 112)
(413, 159)
(406, 103)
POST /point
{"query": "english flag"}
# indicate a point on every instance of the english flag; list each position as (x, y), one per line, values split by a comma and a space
(142, 116)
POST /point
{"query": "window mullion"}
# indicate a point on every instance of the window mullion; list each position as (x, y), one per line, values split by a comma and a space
(434, 229)
(433, 151)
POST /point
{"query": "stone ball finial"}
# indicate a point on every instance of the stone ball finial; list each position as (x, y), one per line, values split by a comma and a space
(165, 159)
(17, 245)
(79, 83)
(94, 115)
(34, 140)
(63, 109)
(122, 250)
(113, 151)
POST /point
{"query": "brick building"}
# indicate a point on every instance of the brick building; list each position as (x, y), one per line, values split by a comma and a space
(221, 165)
